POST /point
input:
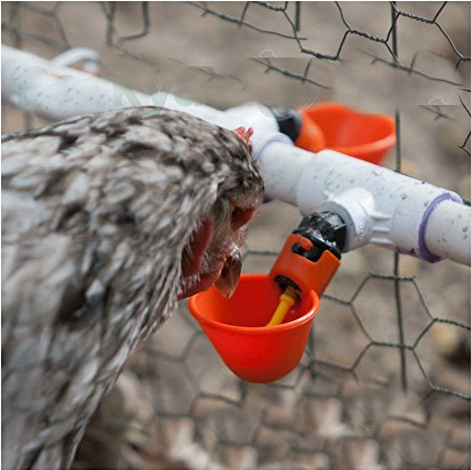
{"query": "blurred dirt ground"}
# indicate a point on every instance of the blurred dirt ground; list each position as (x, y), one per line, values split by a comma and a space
(343, 407)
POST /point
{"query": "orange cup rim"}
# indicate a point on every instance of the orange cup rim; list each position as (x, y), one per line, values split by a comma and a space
(256, 330)
(386, 142)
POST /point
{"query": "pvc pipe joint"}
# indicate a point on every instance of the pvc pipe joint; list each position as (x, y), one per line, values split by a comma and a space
(354, 206)
(378, 205)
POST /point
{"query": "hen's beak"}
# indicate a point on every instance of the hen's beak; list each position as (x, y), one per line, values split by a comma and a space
(227, 281)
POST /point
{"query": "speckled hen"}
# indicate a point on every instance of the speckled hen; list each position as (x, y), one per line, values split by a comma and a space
(107, 219)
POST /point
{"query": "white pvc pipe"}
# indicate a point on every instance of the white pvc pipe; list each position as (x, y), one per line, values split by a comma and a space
(448, 232)
(55, 92)
(377, 204)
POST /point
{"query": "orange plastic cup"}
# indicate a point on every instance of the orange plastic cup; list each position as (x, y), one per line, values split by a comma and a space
(236, 328)
(338, 127)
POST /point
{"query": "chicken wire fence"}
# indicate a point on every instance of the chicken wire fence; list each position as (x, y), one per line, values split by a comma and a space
(384, 381)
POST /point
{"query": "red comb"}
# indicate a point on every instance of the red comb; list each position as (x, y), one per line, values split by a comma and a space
(244, 134)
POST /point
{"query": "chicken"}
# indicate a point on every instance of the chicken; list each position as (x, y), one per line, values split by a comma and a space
(107, 220)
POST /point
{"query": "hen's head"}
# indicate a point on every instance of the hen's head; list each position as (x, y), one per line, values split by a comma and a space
(213, 254)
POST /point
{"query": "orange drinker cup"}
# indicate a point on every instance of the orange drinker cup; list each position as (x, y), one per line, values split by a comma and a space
(262, 330)
(337, 127)
(237, 327)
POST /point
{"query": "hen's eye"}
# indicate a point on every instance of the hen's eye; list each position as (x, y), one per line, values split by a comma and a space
(240, 217)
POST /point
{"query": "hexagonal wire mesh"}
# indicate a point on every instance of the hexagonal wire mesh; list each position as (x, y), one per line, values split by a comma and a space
(384, 382)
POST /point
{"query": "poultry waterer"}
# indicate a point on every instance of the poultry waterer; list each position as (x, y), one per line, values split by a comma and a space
(262, 330)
